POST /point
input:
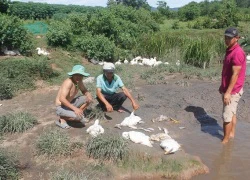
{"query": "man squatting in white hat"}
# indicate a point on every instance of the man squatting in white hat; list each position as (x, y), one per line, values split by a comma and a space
(106, 90)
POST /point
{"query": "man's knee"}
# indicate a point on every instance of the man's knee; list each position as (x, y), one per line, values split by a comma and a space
(122, 96)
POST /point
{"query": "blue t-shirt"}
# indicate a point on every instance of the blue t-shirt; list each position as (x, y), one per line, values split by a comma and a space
(106, 87)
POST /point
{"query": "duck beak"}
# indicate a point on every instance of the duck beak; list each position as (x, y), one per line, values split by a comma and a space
(166, 152)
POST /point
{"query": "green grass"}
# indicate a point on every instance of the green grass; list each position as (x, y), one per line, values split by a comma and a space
(17, 122)
(89, 171)
(113, 148)
(54, 142)
(24, 70)
(8, 165)
(165, 166)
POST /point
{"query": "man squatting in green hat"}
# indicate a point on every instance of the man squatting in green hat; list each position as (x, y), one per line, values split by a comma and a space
(70, 107)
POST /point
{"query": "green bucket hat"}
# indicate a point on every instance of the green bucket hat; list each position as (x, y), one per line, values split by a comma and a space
(78, 69)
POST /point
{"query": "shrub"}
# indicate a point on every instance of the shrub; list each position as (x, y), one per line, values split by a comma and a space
(53, 142)
(97, 46)
(8, 165)
(112, 148)
(59, 34)
(26, 71)
(16, 122)
(13, 35)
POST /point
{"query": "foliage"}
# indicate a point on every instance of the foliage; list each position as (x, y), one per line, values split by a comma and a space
(133, 3)
(189, 12)
(26, 71)
(53, 142)
(40, 11)
(169, 168)
(97, 46)
(8, 165)
(13, 35)
(227, 15)
(59, 34)
(89, 171)
(199, 52)
(112, 148)
(4, 5)
(17, 122)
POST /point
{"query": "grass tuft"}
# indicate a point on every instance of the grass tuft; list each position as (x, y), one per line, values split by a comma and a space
(112, 148)
(17, 122)
(53, 142)
(8, 165)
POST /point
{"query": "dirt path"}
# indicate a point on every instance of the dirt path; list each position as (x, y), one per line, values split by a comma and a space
(196, 104)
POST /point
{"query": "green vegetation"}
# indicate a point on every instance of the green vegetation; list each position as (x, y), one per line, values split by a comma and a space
(54, 142)
(164, 166)
(90, 172)
(14, 35)
(8, 165)
(109, 147)
(16, 122)
(20, 74)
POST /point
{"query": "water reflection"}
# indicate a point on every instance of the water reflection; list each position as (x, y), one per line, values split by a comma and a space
(222, 164)
(208, 124)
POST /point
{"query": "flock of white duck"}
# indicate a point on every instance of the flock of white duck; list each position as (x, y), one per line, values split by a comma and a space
(166, 141)
(152, 62)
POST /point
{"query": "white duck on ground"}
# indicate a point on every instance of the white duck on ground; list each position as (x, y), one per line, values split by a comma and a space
(137, 137)
(42, 52)
(169, 145)
(130, 121)
(95, 129)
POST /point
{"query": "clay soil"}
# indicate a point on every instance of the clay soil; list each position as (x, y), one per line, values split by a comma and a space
(195, 104)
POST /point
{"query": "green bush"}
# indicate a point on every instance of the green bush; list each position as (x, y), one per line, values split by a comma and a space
(109, 147)
(13, 35)
(97, 46)
(53, 142)
(20, 74)
(16, 122)
(59, 34)
(8, 165)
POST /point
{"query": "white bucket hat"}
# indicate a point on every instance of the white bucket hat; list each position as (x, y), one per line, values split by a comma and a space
(110, 67)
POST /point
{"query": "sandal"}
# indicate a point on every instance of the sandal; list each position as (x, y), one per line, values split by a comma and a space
(62, 125)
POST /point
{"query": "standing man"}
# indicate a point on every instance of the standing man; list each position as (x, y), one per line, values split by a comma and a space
(69, 106)
(106, 87)
(233, 78)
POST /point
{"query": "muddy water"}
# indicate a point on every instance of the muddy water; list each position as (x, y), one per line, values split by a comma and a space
(198, 107)
(231, 161)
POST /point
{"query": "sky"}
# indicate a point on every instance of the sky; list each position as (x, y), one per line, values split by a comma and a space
(153, 3)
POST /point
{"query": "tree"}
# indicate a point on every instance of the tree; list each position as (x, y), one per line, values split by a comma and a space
(227, 15)
(189, 12)
(4, 5)
(134, 3)
(163, 8)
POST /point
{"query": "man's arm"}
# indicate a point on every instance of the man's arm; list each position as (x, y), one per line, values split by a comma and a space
(65, 90)
(233, 80)
(102, 98)
(85, 92)
(128, 94)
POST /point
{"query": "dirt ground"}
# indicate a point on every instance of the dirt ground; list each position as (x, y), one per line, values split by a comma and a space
(194, 103)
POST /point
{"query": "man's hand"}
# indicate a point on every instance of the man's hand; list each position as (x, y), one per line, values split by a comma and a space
(135, 106)
(109, 108)
(227, 98)
(78, 112)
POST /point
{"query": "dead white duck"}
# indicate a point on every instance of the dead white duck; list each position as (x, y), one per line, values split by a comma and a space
(95, 129)
(130, 121)
(160, 136)
(169, 145)
(137, 137)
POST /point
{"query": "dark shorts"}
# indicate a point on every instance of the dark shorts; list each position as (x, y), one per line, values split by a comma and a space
(67, 112)
(116, 100)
